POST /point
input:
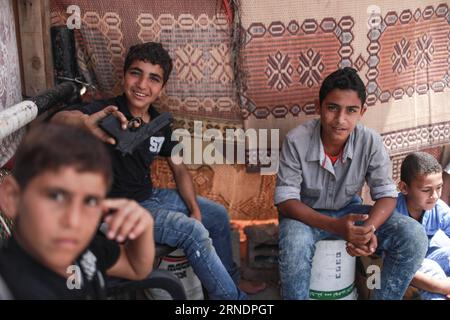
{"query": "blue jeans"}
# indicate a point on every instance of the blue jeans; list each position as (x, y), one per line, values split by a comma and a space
(436, 265)
(402, 238)
(207, 244)
(433, 269)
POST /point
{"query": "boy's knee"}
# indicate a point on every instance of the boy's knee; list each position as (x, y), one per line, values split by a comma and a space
(415, 238)
(221, 212)
(211, 208)
(198, 230)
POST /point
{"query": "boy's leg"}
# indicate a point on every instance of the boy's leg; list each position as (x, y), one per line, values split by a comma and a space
(432, 269)
(177, 230)
(297, 247)
(405, 243)
(214, 218)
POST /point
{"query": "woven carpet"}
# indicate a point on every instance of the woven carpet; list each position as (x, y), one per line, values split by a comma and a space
(10, 86)
(399, 48)
(196, 34)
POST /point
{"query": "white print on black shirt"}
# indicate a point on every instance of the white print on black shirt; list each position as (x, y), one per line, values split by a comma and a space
(156, 144)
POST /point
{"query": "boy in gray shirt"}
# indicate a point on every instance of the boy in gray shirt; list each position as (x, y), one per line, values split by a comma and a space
(323, 164)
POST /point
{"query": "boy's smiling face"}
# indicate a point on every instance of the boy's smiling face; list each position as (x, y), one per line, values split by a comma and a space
(422, 192)
(58, 214)
(143, 83)
(340, 111)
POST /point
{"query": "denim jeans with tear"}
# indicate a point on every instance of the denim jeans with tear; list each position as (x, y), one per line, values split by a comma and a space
(207, 244)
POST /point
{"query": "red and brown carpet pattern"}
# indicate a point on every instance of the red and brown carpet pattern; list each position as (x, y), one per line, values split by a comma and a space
(399, 48)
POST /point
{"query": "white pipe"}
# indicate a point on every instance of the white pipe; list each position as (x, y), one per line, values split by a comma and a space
(9, 145)
(17, 116)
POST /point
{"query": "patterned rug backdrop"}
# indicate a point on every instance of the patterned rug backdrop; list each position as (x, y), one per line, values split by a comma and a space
(196, 34)
(10, 90)
(287, 47)
(400, 48)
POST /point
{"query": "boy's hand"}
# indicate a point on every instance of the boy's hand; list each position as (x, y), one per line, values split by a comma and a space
(358, 235)
(128, 219)
(363, 250)
(91, 123)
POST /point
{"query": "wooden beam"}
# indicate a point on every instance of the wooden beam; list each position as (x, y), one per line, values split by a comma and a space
(34, 23)
(19, 44)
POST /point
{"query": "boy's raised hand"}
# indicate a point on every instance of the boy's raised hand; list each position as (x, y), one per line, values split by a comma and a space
(91, 123)
(126, 220)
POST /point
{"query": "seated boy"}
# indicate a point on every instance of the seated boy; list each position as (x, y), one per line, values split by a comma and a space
(421, 186)
(323, 164)
(182, 219)
(56, 195)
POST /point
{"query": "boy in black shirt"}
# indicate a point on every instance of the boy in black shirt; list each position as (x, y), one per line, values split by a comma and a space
(197, 225)
(56, 195)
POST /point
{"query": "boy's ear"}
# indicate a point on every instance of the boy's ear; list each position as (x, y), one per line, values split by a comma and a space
(9, 196)
(162, 92)
(403, 187)
(363, 110)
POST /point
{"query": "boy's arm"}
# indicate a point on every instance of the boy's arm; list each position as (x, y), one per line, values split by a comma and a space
(131, 222)
(90, 122)
(381, 211)
(382, 190)
(427, 283)
(289, 203)
(185, 186)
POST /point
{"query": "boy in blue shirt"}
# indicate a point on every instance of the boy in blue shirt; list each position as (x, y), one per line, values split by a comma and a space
(421, 186)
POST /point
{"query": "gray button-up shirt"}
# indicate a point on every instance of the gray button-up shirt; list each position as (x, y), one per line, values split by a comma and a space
(307, 174)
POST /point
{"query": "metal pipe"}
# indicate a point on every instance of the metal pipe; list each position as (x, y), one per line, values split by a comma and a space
(14, 118)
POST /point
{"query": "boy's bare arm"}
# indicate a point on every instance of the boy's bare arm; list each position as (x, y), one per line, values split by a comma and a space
(185, 187)
(344, 226)
(381, 211)
(131, 222)
(427, 283)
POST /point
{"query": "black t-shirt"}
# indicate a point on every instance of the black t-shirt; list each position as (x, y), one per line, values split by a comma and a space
(26, 278)
(132, 177)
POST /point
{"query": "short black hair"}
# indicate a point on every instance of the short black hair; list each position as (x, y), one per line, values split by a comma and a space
(152, 52)
(418, 163)
(51, 146)
(344, 79)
